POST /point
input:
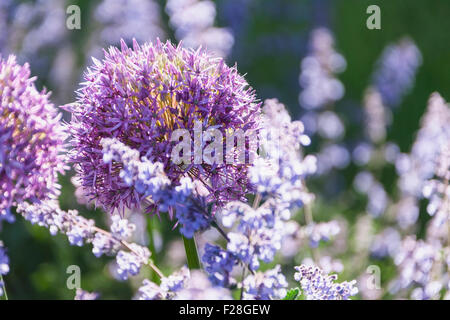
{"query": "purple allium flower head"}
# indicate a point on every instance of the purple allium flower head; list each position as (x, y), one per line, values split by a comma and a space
(140, 96)
(31, 138)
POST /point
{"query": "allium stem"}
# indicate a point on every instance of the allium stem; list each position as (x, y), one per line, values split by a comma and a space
(191, 253)
(150, 226)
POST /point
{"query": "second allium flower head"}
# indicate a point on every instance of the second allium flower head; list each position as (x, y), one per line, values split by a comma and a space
(31, 139)
(140, 96)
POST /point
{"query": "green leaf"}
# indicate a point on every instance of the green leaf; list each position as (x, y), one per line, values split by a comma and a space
(292, 294)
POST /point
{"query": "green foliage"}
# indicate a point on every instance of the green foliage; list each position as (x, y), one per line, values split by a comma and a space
(292, 294)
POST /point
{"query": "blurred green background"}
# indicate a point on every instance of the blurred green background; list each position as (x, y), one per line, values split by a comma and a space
(271, 43)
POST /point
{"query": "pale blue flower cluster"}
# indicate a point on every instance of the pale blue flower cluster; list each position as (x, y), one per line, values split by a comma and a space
(85, 295)
(200, 288)
(182, 285)
(6, 215)
(281, 171)
(396, 71)
(317, 78)
(268, 285)
(128, 19)
(256, 233)
(317, 285)
(193, 22)
(80, 231)
(4, 260)
(415, 260)
(151, 184)
(322, 231)
(129, 263)
(219, 264)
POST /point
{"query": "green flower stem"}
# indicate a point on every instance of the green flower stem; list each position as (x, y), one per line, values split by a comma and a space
(191, 253)
(151, 246)
(4, 288)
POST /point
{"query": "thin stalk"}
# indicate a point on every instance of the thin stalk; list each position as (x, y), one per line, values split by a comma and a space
(309, 221)
(151, 246)
(4, 287)
(256, 201)
(127, 245)
(242, 283)
(191, 253)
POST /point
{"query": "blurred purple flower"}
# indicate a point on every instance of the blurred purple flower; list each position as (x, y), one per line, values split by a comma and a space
(397, 70)
(31, 138)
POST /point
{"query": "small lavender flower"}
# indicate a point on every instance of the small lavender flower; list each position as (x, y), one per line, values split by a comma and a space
(149, 291)
(429, 292)
(103, 244)
(415, 259)
(1, 288)
(317, 285)
(128, 19)
(121, 228)
(424, 162)
(407, 212)
(320, 87)
(332, 155)
(6, 215)
(176, 281)
(141, 95)
(323, 231)
(258, 235)
(48, 214)
(31, 139)
(130, 263)
(168, 288)
(432, 137)
(182, 285)
(270, 285)
(193, 21)
(200, 288)
(191, 219)
(326, 263)
(219, 264)
(84, 295)
(397, 68)
(152, 184)
(4, 260)
(377, 116)
(80, 231)
(280, 171)
(378, 199)
(33, 30)
(386, 244)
